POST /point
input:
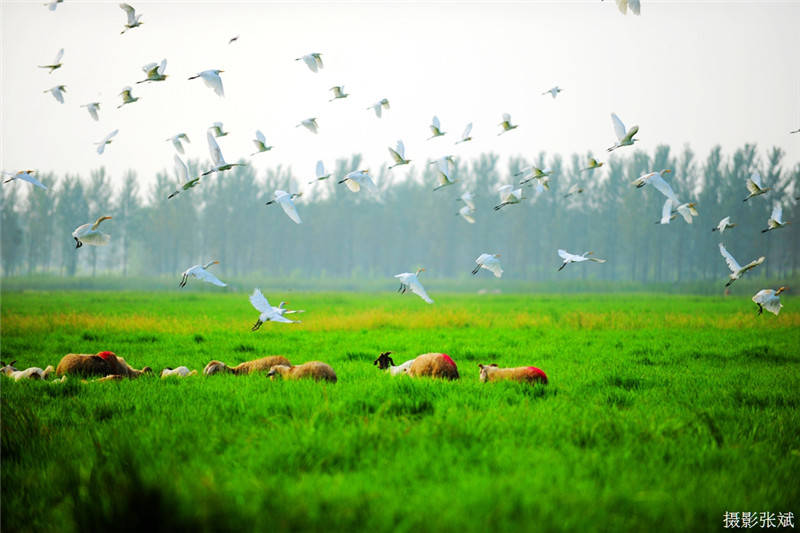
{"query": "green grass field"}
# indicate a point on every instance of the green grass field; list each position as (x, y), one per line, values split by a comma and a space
(662, 413)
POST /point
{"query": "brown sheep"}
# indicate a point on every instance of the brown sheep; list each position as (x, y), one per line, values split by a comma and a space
(435, 365)
(248, 367)
(311, 370)
(525, 374)
(101, 364)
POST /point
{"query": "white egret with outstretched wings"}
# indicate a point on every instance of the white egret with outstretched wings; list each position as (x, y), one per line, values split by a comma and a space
(89, 234)
(212, 79)
(734, 267)
(201, 272)
(490, 262)
(410, 282)
(624, 137)
(769, 299)
(268, 312)
(572, 258)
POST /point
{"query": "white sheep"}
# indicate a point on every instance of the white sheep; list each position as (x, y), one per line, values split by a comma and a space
(33, 372)
(180, 372)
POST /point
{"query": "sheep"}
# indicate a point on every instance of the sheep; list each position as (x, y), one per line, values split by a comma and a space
(436, 365)
(101, 364)
(315, 370)
(526, 374)
(180, 372)
(248, 367)
(33, 372)
(384, 362)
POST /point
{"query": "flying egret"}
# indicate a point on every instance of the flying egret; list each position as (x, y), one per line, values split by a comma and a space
(155, 71)
(399, 155)
(338, 92)
(775, 219)
(574, 189)
(176, 141)
(89, 234)
(572, 258)
(312, 61)
(56, 62)
(656, 180)
(754, 186)
(532, 173)
(216, 156)
(233, 39)
(127, 97)
(217, 130)
(201, 272)
(93, 108)
(724, 224)
(261, 143)
(281, 310)
(354, 180)
(436, 128)
(57, 92)
(320, 171)
(687, 211)
(310, 124)
(466, 213)
(468, 199)
(268, 312)
(284, 199)
(624, 137)
(133, 18)
(490, 262)
(184, 183)
(443, 173)
(379, 106)
(53, 5)
(211, 79)
(666, 212)
(101, 146)
(506, 124)
(410, 282)
(623, 6)
(465, 136)
(795, 131)
(24, 175)
(508, 195)
(593, 164)
(769, 299)
(553, 92)
(736, 270)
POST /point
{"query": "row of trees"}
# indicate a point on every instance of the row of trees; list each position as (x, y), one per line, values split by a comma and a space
(349, 235)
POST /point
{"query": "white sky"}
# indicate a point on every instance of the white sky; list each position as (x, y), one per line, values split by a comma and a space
(703, 73)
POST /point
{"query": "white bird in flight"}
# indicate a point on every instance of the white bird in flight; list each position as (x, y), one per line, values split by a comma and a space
(410, 282)
(127, 97)
(593, 164)
(735, 268)
(56, 64)
(320, 173)
(436, 128)
(754, 186)
(216, 156)
(53, 5)
(261, 143)
(508, 195)
(312, 61)
(182, 172)
(775, 220)
(506, 124)
(217, 130)
(466, 213)
(24, 175)
(468, 199)
(338, 92)
(624, 137)
(573, 189)
(534, 173)
(101, 146)
(553, 92)
(657, 181)
(176, 141)
(268, 312)
(769, 299)
(354, 180)
(310, 124)
(379, 106)
(623, 6)
(93, 108)
(133, 18)
(572, 258)
(724, 224)
(212, 79)
(490, 262)
(443, 173)
(89, 234)
(399, 155)
(57, 92)
(465, 136)
(155, 71)
(687, 211)
(285, 200)
(201, 272)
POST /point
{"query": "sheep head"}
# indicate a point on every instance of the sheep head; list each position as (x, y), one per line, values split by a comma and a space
(215, 367)
(485, 371)
(384, 361)
(279, 370)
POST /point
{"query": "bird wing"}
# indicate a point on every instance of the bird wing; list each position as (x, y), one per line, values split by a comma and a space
(663, 187)
(753, 264)
(320, 169)
(309, 60)
(176, 142)
(723, 224)
(93, 111)
(401, 149)
(493, 265)
(466, 214)
(666, 211)
(731, 262)
(130, 12)
(311, 124)
(110, 136)
(686, 212)
(213, 80)
(777, 213)
(56, 91)
(162, 67)
(756, 177)
(205, 275)
(367, 181)
(260, 302)
(180, 169)
(633, 131)
(504, 191)
(467, 131)
(564, 254)
(59, 55)
(435, 122)
(95, 238)
(286, 203)
(378, 109)
(150, 67)
(417, 288)
(619, 127)
(352, 184)
(24, 176)
(467, 199)
(213, 148)
(260, 137)
(635, 6)
(397, 157)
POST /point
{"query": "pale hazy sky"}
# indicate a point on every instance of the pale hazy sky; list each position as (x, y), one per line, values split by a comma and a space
(703, 73)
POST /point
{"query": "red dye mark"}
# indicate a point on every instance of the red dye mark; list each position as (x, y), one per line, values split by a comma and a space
(106, 355)
(538, 373)
(447, 358)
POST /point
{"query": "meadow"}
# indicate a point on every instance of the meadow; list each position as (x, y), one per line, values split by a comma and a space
(662, 413)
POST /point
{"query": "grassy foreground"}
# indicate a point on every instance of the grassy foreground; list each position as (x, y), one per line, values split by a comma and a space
(662, 413)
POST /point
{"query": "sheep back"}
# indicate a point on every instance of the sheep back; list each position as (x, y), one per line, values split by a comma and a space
(101, 364)
(526, 374)
(436, 365)
(263, 364)
(315, 370)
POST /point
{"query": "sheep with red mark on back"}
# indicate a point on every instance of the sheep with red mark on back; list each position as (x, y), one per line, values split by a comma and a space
(525, 374)
(101, 364)
(435, 365)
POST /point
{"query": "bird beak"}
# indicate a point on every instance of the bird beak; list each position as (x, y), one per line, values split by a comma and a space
(667, 170)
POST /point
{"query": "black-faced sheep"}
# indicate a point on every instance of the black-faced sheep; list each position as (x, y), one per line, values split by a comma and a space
(384, 362)
(33, 372)
(526, 374)
(101, 364)
(435, 365)
(248, 367)
(315, 370)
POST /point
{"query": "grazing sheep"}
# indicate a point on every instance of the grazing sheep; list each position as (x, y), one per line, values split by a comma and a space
(180, 372)
(312, 370)
(384, 362)
(248, 367)
(33, 372)
(527, 374)
(101, 364)
(435, 365)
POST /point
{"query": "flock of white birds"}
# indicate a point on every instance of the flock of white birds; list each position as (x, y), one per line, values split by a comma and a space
(509, 194)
